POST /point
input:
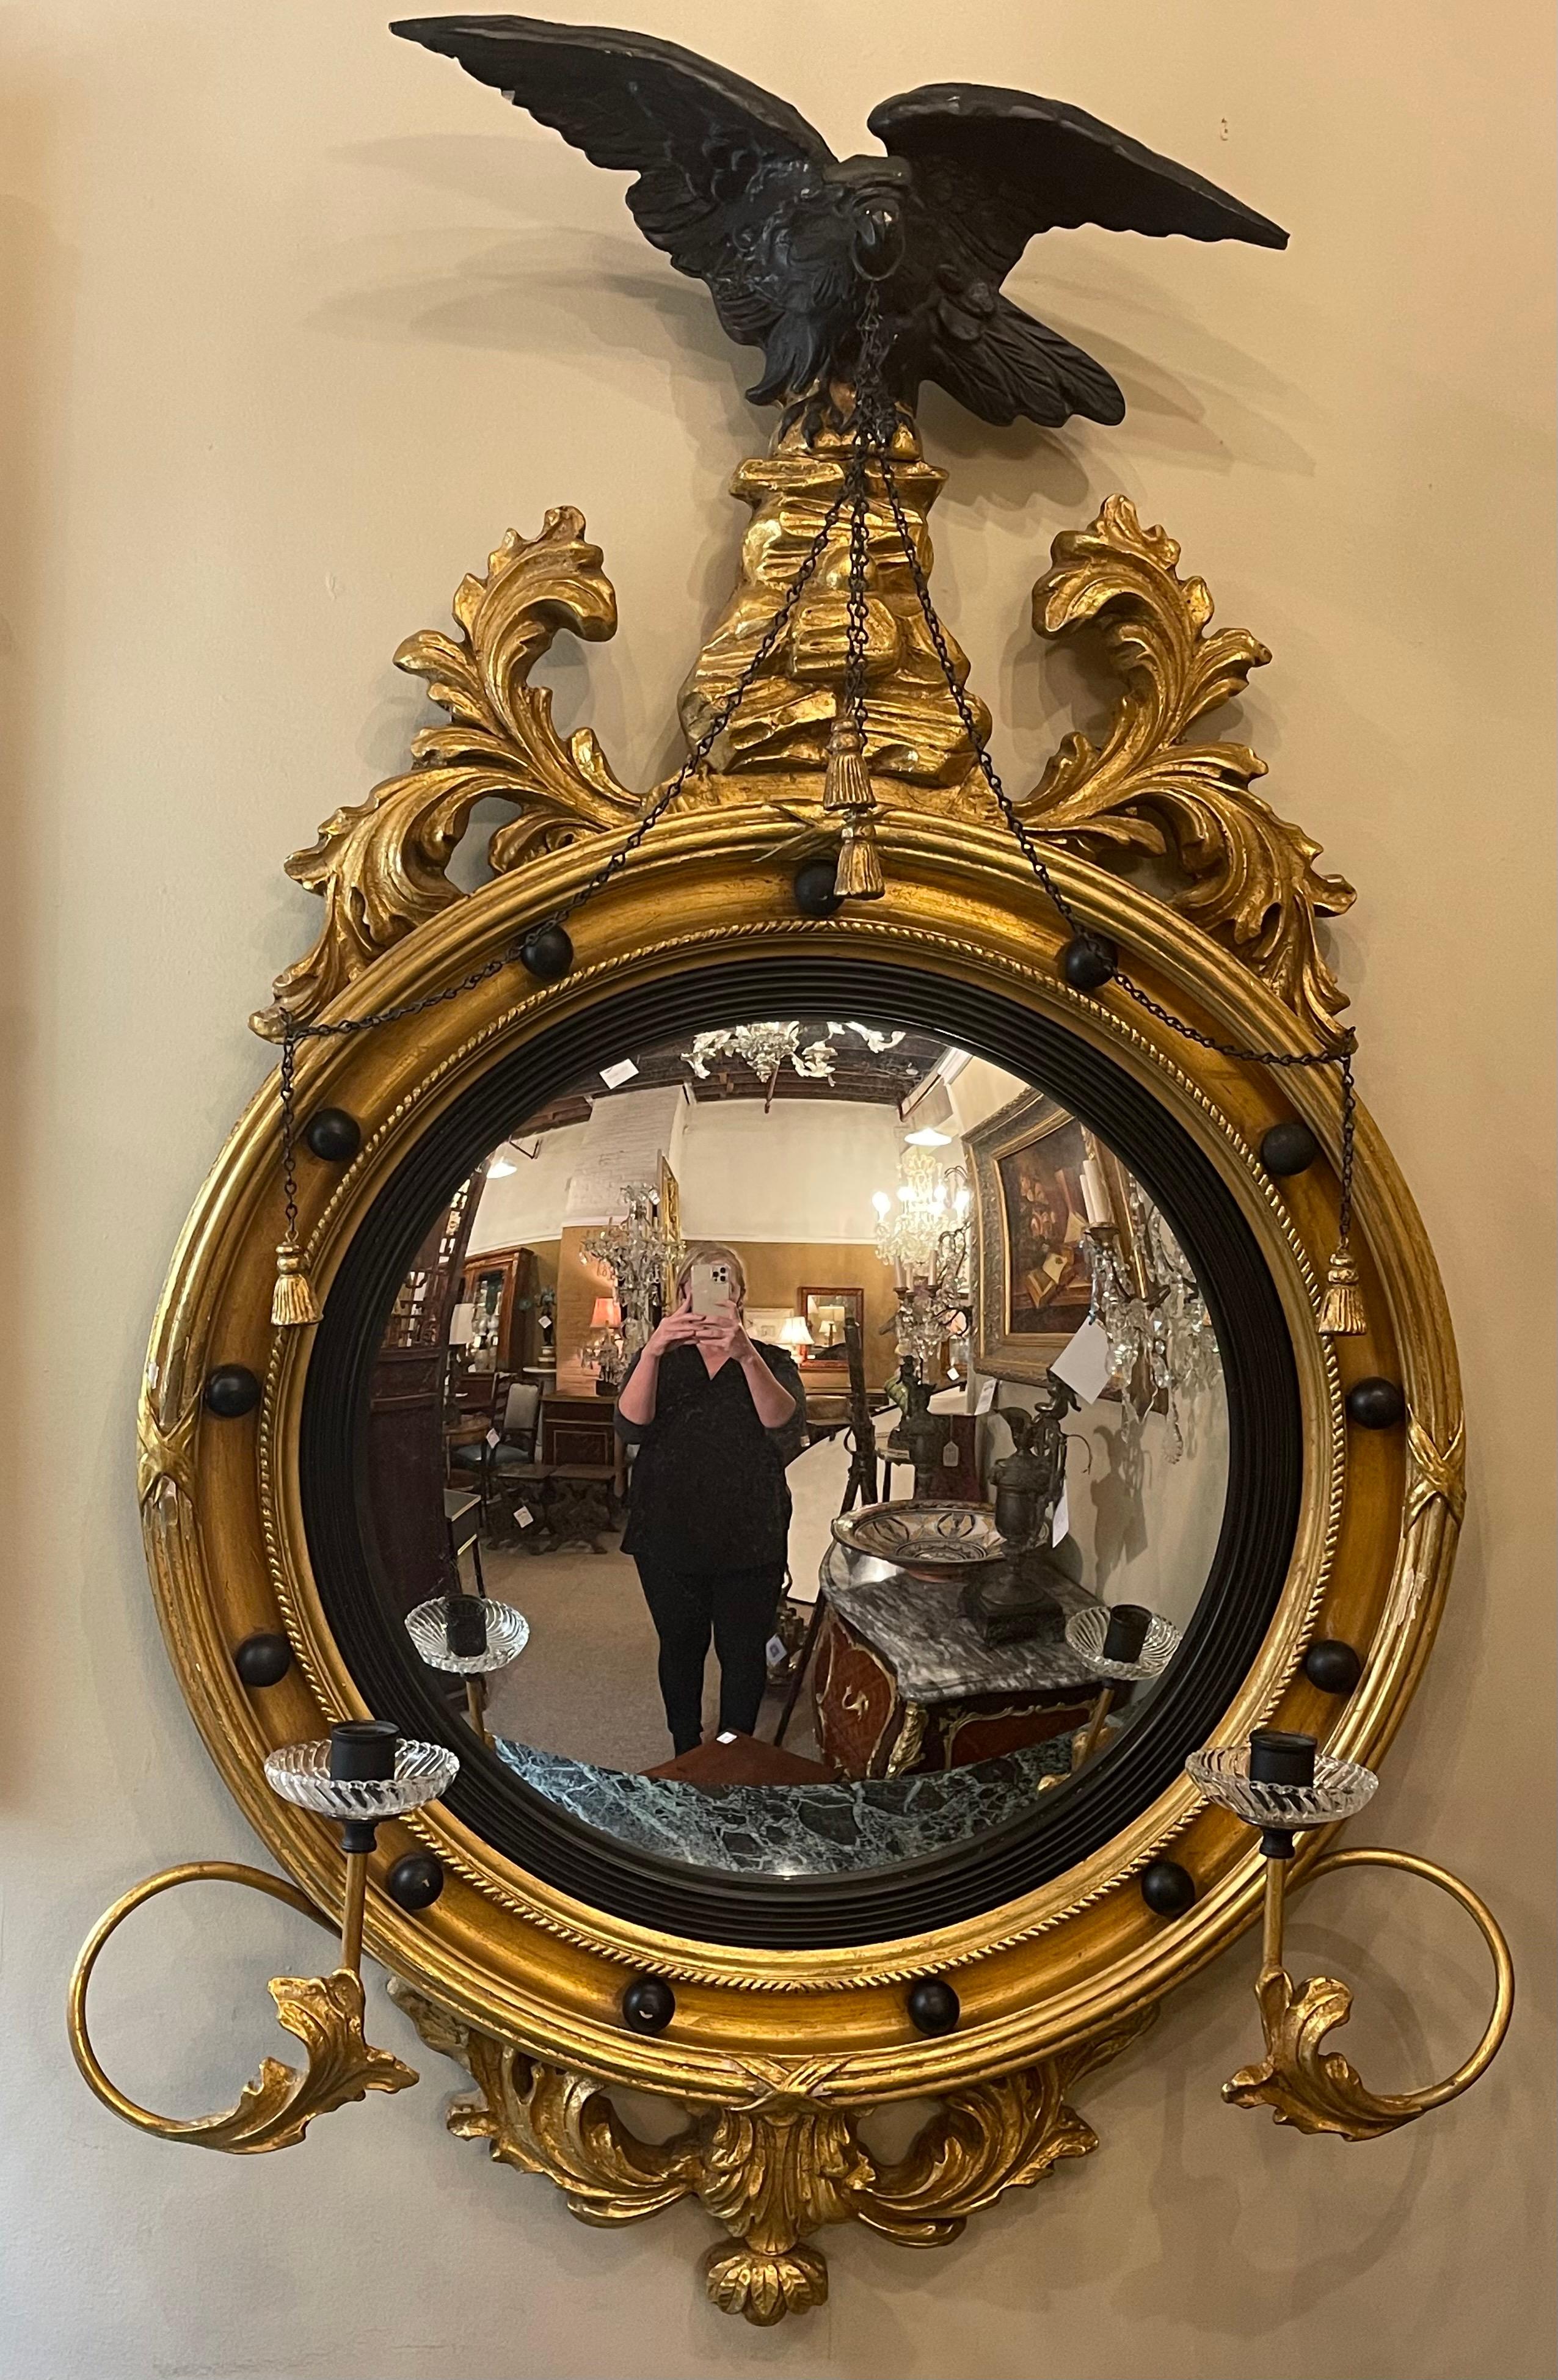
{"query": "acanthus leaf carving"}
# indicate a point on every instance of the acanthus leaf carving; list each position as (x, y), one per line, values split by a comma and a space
(775, 2166)
(326, 2012)
(1146, 788)
(1313, 2089)
(380, 866)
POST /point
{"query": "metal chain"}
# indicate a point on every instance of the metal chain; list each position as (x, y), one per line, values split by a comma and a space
(294, 1032)
(1341, 1057)
(874, 424)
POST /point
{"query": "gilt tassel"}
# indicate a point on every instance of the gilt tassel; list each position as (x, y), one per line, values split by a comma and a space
(1342, 1311)
(846, 794)
(293, 1303)
(859, 876)
(846, 783)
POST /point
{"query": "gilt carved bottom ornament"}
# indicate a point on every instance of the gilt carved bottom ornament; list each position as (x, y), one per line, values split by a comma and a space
(777, 2166)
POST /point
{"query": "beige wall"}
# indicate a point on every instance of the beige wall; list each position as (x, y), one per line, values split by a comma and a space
(298, 321)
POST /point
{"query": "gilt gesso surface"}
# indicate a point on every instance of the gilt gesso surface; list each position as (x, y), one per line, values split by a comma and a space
(740, 192)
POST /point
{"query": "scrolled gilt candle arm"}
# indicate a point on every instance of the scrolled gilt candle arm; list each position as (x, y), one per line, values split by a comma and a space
(326, 2012)
(1320, 2091)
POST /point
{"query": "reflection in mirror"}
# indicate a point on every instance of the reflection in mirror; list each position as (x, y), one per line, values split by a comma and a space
(843, 1418)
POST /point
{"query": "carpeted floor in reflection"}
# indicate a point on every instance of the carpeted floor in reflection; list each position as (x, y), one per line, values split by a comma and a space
(585, 1684)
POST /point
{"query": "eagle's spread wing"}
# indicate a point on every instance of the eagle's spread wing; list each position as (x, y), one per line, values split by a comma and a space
(713, 154)
(1006, 165)
(991, 170)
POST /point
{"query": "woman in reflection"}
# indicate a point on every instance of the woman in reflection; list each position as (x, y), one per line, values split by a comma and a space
(715, 1420)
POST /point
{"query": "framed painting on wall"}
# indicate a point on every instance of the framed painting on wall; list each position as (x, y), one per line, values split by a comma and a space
(1031, 1285)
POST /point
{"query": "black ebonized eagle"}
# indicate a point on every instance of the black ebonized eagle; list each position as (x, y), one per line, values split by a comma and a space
(738, 190)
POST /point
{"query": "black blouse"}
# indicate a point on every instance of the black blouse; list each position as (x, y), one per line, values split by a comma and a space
(707, 1490)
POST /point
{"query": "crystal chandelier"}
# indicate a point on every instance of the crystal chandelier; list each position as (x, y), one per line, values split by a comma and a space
(768, 1048)
(643, 1256)
(1162, 1349)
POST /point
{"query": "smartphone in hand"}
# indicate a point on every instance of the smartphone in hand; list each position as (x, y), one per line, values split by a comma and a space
(711, 1285)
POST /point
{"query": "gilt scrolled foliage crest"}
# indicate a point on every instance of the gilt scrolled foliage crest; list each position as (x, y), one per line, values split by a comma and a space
(381, 865)
(1149, 786)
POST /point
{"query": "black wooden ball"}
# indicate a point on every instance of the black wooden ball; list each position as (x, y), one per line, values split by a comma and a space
(1088, 962)
(263, 1660)
(231, 1390)
(1375, 1404)
(547, 952)
(416, 1881)
(1332, 1666)
(815, 896)
(1167, 1889)
(1288, 1147)
(933, 2007)
(648, 2003)
(333, 1135)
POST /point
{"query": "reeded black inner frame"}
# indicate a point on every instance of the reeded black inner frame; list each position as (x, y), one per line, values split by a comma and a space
(1265, 1463)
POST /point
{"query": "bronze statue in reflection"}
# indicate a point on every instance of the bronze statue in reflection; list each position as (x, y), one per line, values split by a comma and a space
(713, 1420)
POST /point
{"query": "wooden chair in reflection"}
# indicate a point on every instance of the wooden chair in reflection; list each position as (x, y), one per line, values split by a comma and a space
(500, 1472)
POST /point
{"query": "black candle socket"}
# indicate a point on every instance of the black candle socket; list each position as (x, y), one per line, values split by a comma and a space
(465, 1626)
(1126, 1633)
(263, 1660)
(648, 2003)
(333, 1135)
(362, 1751)
(933, 2007)
(1277, 1759)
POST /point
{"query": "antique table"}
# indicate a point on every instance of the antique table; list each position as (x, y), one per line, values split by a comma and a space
(902, 1683)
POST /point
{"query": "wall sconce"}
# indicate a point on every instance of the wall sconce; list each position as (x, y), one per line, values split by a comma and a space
(364, 1772)
(1283, 1783)
(472, 1635)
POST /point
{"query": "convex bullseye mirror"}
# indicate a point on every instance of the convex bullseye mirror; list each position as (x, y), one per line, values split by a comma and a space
(807, 1444)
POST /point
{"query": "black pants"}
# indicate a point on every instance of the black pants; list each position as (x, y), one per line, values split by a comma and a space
(736, 1607)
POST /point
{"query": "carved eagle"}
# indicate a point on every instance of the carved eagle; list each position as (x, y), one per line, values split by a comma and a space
(736, 188)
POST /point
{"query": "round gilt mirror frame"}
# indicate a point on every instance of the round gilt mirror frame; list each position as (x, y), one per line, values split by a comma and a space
(777, 2053)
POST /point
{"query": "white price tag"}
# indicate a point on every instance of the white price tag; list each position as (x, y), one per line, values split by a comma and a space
(1061, 1526)
(775, 1650)
(495, 1437)
(985, 1402)
(614, 1076)
(1084, 1362)
(728, 1737)
(524, 1515)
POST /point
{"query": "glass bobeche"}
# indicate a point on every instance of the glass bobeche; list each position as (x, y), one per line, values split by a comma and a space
(508, 1633)
(1085, 1632)
(300, 1773)
(1341, 1789)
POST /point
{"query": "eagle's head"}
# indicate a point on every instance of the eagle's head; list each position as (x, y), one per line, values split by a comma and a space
(870, 193)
